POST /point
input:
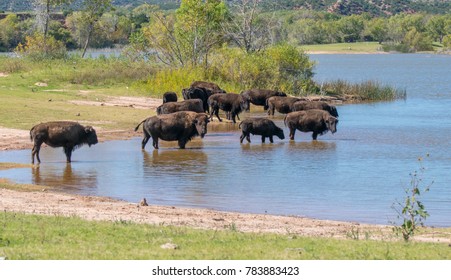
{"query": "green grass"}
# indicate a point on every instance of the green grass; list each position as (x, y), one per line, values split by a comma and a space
(360, 47)
(55, 237)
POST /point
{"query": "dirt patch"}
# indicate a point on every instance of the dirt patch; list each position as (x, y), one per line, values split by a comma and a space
(99, 208)
(123, 101)
(2, 75)
(14, 139)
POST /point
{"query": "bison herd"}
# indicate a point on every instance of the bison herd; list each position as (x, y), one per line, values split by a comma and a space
(182, 120)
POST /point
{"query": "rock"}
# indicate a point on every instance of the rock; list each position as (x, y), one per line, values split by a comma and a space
(39, 84)
(143, 202)
(169, 246)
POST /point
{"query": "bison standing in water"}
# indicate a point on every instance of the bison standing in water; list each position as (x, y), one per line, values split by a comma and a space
(308, 105)
(317, 121)
(179, 126)
(229, 102)
(259, 96)
(282, 104)
(260, 126)
(69, 135)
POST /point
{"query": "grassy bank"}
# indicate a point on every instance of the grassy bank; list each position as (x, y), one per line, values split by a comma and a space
(56, 237)
(356, 48)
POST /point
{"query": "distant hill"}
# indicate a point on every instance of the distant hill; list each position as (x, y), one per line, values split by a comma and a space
(341, 7)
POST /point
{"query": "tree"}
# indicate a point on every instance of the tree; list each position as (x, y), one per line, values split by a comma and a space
(197, 26)
(91, 13)
(43, 9)
(437, 27)
(351, 28)
(187, 37)
(378, 29)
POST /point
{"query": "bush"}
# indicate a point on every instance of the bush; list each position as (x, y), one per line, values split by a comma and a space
(365, 91)
(38, 48)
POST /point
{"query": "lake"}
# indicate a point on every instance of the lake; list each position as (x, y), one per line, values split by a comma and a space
(355, 174)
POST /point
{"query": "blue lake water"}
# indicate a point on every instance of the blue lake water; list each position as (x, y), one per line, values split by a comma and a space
(355, 174)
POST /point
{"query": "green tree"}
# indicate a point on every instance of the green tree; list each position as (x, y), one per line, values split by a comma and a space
(418, 41)
(91, 13)
(187, 37)
(351, 28)
(437, 27)
(378, 29)
(198, 24)
(10, 34)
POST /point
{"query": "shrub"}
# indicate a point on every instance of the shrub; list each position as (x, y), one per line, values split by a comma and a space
(412, 211)
(37, 47)
(365, 91)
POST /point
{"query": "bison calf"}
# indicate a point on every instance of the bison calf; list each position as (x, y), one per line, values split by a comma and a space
(260, 126)
(308, 105)
(317, 121)
(69, 135)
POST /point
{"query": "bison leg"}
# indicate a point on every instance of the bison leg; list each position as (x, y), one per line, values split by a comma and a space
(216, 111)
(35, 151)
(314, 135)
(155, 142)
(182, 143)
(145, 140)
(68, 152)
(245, 135)
(263, 139)
(271, 139)
(292, 132)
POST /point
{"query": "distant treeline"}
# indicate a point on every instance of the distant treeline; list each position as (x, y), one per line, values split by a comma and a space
(402, 32)
(341, 7)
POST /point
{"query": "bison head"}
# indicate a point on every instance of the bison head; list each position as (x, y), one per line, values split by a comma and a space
(331, 123)
(279, 133)
(244, 104)
(200, 122)
(91, 136)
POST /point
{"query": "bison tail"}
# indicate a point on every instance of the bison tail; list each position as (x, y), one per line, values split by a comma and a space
(285, 120)
(136, 128)
(31, 133)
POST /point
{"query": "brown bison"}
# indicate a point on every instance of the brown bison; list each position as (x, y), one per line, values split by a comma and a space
(179, 126)
(193, 105)
(308, 105)
(317, 121)
(210, 88)
(69, 135)
(259, 96)
(260, 126)
(169, 96)
(282, 104)
(229, 102)
(196, 93)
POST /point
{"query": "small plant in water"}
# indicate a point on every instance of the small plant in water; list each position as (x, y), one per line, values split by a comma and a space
(412, 211)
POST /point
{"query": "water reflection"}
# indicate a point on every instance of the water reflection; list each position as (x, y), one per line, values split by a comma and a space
(67, 178)
(312, 145)
(176, 161)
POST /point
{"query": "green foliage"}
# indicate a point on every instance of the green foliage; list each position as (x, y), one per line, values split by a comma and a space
(365, 91)
(37, 47)
(31, 237)
(412, 211)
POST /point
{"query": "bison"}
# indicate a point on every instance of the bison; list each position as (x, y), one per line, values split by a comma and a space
(260, 126)
(317, 121)
(193, 105)
(259, 96)
(210, 88)
(282, 104)
(229, 102)
(69, 135)
(308, 105)
(196, 93)
(178, 126)
(169, 96)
